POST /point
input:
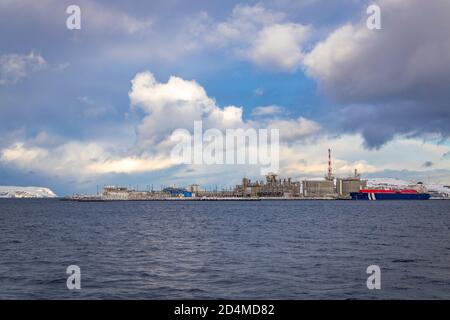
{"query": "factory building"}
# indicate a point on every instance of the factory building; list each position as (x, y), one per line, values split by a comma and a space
(318, 188)
(116, 193)
(326, 188)
(194, 188)
(124, 193)
(344, 186)
(272, 187)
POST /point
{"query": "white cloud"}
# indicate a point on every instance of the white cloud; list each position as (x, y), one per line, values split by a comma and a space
(174, 105)
(131, 164)
(79, 159)
(177, 103)
(244, 23)
(19, 153)
(278, 46)
(105, 19)
(267, 111)
(258, 35)
(294, 130)
(15, 67)
(154, 97)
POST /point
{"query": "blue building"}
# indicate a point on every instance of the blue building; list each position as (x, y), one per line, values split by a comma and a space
(178, 192)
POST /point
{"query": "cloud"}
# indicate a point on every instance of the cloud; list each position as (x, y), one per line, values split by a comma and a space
(278, 46)
(19, 153)
(294, 130)
(173, 105)
(96, 17)
(105, 19)
(15, 67)
(259, 35)
(267, 111)
(177, 103)
(395, 80)
(79, 160)
(433, 178)
(244, 23)
(132, 164)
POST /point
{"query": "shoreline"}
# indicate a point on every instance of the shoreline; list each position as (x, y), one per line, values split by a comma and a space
(223, 199)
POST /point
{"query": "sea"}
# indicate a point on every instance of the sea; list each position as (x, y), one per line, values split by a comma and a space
(224, 250)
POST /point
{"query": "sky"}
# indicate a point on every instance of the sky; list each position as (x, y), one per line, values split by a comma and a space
(98, 105)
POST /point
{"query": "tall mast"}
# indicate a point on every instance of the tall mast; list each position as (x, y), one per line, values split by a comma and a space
(330, 170)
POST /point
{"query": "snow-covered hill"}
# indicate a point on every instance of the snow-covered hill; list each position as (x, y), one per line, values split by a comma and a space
(26, 192)
(388, 182)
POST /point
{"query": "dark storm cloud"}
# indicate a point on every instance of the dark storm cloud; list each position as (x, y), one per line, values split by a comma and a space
(381, 122)
(394, 80)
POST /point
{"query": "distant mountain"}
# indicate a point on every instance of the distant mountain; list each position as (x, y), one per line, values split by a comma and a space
(26, 192)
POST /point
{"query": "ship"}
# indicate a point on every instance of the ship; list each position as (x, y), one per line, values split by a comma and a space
(390, 194)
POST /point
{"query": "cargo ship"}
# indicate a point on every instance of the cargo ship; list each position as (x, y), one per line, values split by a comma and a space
(390, 194)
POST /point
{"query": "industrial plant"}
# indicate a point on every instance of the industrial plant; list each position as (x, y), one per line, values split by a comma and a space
(273, 187)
